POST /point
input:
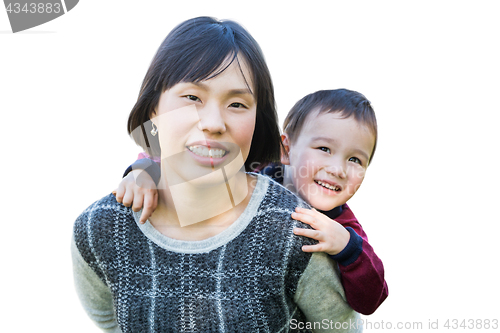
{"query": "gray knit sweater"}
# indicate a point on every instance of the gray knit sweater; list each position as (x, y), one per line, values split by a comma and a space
(252, 277)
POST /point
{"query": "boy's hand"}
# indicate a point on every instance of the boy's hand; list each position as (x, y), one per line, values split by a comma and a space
(330, 234)
(138, 189)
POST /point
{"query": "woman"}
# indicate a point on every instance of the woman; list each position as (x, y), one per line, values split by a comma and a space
(219, 253)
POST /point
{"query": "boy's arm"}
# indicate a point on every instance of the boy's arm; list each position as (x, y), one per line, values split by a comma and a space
(362, 271)
(138, 188)
(148, 165)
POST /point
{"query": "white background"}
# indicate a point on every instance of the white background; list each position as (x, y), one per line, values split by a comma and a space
(429, 202)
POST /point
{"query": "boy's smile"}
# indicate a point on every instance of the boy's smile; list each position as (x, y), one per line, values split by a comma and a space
(328, 160)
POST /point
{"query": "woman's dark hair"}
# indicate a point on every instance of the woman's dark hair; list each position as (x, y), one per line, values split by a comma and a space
(345, 102)
(197, 50)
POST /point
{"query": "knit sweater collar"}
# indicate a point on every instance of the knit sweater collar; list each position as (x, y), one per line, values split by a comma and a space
(216, 241)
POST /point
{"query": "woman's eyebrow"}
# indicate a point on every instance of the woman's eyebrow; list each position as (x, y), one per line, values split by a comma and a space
(244, 91)
(199, 84)
(237, 91)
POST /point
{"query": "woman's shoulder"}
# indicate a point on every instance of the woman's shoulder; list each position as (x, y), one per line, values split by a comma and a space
(101, 217)
(279, 197)
(107, 207)
(278, 204)
(97, 230)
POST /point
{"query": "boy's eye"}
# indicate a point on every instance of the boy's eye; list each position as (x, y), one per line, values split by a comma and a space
(355, 160)
(193, 98)
(325, 149)
(237, 105)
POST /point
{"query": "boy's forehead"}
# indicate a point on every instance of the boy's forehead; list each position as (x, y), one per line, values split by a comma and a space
(319, 120)
(312, 117)
(324, 124)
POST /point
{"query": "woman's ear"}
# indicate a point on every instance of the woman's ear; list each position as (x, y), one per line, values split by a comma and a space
(285, 158)
(152, 115)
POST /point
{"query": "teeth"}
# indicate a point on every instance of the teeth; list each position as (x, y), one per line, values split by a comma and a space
(328, 186)
(205, 152)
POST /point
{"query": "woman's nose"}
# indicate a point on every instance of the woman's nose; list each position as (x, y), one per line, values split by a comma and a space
(211, 119)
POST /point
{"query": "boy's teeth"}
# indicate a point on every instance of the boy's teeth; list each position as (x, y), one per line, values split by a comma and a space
(328, 186)
(205, 152)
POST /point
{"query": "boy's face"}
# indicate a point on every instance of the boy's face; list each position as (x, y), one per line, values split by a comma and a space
(328, 160)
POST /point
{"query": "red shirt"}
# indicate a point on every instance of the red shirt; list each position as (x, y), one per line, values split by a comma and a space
(362, 271)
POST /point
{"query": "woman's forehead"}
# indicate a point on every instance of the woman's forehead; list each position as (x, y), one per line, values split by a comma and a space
(236, 70)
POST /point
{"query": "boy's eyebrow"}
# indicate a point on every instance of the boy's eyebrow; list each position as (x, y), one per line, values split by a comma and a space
(243, 91)
(362, 152)
(323, 138)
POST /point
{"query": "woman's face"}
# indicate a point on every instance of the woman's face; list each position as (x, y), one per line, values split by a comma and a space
(206, 126)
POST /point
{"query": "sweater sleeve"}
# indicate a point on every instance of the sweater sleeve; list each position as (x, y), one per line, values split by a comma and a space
(321, 298)
(362, 271)
(94, 294)
(150, 166)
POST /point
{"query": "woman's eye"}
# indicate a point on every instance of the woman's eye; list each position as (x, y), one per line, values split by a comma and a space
(237, 105)
(355, 160)
(192, 98)
(325, 149)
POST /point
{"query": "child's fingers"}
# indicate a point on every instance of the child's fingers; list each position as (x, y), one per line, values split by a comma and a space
(313, 248)
(146, 213)
(301, 210)
(306, 211)
(150, 203)
(304, 218)
(155, 200)
(150, 199)
(319, 216)
(315, 223)
(311, 212)
(120, 191)
(138, 200)
(309, 233)
(128, 197)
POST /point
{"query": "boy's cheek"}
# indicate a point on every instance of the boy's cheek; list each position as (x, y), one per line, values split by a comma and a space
(354, 186)
(303, 171)
(357, 175)
(309, 165)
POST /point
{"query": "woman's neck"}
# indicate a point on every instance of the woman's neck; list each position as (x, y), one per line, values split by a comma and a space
(188, 211)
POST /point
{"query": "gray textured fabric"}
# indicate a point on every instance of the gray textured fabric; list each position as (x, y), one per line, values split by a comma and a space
(244, 279)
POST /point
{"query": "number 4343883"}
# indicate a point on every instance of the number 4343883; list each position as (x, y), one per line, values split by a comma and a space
(471, 324)
(33, 8)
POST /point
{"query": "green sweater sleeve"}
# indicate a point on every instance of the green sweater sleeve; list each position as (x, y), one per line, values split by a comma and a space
(94, 295)
(321, 298)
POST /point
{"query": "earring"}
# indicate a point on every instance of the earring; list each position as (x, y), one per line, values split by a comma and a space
(154, 131)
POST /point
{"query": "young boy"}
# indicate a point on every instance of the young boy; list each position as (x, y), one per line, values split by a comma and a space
(329, 140)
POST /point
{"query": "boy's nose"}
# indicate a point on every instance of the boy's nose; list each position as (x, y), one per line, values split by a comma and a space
(211, 119)
(337, 170)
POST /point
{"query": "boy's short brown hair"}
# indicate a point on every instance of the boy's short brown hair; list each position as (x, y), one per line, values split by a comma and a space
(345, 102)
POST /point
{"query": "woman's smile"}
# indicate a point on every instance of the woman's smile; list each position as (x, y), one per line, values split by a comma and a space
(204, 126)
(204, 151)
(211, 153)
